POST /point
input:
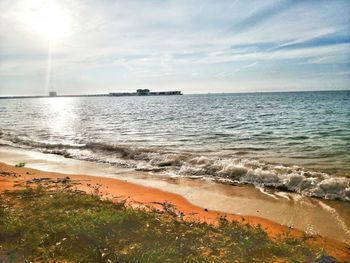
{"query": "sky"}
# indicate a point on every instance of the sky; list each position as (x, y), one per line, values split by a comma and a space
(100, 46)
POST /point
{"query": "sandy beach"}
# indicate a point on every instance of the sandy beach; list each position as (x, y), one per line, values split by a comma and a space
(328, 218)
(139, 196)
(180, 131)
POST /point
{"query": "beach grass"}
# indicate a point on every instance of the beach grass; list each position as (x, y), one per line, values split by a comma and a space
(44, 224)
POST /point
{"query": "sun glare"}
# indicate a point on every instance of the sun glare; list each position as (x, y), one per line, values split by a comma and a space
(47, 18)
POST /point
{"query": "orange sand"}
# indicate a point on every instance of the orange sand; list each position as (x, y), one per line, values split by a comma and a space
(141, 196)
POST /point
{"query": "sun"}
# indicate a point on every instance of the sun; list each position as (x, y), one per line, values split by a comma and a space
(47, 19)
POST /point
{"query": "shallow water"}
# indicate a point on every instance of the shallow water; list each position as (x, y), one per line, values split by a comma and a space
(292, 141)
(327, 218)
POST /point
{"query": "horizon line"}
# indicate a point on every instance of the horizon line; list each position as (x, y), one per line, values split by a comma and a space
(11, 96)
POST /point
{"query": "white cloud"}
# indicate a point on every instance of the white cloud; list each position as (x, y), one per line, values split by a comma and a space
(129, 42)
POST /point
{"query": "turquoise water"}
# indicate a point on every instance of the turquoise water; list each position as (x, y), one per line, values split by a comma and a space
(293, 141)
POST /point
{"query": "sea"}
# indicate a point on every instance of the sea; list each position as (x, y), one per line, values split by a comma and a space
(291, 141)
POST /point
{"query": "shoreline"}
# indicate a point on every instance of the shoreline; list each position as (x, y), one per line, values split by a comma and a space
(313, 216)
(139, 196)
(134, 194)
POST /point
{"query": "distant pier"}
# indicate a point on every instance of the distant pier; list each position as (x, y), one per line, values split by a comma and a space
(145, 92)
(139, 92)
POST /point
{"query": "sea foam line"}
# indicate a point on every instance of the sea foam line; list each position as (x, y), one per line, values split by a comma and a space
(227, 169)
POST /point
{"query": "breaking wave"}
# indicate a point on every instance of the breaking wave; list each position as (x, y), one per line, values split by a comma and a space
(224, 169)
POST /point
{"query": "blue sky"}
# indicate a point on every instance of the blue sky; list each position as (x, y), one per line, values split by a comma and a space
(193, 46)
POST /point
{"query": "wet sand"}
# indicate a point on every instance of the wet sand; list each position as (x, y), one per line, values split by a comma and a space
(311, 215)
(135, 195)
(142, 196)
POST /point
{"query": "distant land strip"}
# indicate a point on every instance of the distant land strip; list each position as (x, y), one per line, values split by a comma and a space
(139, 92)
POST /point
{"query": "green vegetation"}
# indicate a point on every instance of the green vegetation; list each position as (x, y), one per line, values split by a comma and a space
(61, 225)
(21, 164)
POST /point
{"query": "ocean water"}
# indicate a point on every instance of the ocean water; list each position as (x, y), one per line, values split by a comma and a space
(297, 141)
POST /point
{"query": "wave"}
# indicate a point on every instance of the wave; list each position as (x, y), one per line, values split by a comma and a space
(222, 168)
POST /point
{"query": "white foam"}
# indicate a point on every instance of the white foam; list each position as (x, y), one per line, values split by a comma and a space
(232, 169)
(283, 195)
(338, 218)
(262, 190)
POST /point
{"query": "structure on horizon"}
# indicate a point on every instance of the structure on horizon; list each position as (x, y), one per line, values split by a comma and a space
(146, 92)
(139, 92)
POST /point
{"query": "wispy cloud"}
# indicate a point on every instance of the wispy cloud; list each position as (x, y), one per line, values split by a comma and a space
(260, 16)
(189, 45)
(325, 40)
